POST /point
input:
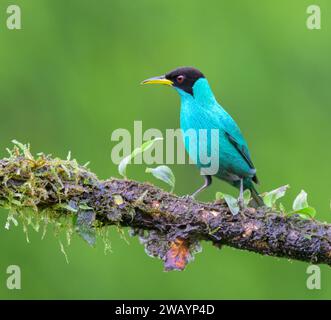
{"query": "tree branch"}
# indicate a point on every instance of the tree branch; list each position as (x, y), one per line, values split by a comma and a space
(169, 226)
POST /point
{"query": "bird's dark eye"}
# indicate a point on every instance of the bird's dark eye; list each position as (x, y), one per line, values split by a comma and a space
(180, 79)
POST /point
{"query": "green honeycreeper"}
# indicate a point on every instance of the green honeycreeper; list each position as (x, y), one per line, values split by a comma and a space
(200, 111)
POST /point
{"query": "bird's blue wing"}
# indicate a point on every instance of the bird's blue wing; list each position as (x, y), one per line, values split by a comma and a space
(242, 149)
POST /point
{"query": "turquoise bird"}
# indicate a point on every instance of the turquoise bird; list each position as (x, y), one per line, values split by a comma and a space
(205, 119)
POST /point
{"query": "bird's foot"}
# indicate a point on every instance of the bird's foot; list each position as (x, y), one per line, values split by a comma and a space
(241, 204)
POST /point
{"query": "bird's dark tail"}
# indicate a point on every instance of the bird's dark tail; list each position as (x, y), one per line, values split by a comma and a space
(256, 201)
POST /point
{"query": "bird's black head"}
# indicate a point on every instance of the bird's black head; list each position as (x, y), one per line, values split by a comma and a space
(182, 78)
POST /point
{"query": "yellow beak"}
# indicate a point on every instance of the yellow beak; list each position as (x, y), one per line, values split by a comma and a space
(158, 80)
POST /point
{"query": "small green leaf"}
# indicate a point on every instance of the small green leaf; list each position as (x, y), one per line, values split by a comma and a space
(308, 211)
(163, 173)
(247, 197)
(125, 161)
(300, 201)
(232, 202)
(300, 206)
(271, 197)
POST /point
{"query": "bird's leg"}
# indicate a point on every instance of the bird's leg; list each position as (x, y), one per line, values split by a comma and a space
(241, 194)
(206, 184)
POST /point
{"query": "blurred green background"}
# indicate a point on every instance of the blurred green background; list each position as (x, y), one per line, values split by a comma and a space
(71, 76)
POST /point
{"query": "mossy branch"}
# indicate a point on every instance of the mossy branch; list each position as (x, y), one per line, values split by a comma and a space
(169, 226)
